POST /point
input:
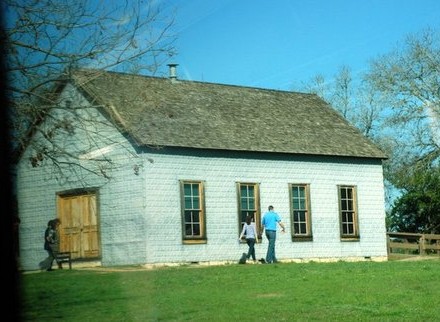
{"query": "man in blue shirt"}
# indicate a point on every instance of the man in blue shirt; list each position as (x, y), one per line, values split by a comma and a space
(269, 225)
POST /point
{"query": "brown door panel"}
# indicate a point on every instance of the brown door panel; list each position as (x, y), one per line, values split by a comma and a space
(79, 230)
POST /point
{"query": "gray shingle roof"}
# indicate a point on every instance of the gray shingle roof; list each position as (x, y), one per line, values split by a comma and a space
(159, 112)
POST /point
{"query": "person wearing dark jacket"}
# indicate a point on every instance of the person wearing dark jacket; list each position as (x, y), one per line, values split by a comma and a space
(51, 241)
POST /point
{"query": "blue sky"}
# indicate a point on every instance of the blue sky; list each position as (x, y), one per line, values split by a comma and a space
(280, 44)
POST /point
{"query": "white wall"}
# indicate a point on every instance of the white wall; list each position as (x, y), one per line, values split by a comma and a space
(121, 208)
(164, 241)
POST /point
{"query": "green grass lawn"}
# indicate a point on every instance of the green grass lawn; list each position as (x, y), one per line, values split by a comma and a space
(341, 291)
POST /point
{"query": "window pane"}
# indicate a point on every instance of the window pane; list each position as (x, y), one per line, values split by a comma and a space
(300, 210)
(243, 191)
(188, 203)
(348, 229)
(195, 189)
(247, 202)
(349, 204)
(196, 216)
(295, 216)
(192, 212)
(247, 199)
(344, 217)
(196, 203)
(343, 193)
(343, 205)
(295, 193)
(349, 193)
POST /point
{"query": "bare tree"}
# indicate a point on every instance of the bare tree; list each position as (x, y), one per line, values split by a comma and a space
(48, 39)
(317, 85)
(343, 92)
(358, 103)
(409, 79)
(368, 112)
(397, 104)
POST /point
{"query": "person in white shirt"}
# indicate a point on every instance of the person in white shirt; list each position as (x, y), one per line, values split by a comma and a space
(250, 232)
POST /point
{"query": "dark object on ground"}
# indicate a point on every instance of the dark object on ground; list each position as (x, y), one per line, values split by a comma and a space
(262, 261)
(63, 257)
(242, 259)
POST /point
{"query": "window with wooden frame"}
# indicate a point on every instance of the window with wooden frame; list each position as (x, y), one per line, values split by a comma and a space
(248, 204)
(348, 212)
(300, 211)
(193, 212)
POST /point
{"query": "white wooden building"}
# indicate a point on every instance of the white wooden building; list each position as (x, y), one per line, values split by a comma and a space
(164, 171)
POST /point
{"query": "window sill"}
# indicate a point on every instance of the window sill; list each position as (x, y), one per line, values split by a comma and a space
(302, 238)
(350, 239)
(194, 241)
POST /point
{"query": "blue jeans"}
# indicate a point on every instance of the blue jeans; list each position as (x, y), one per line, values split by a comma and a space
(251, 251)
(271, 236)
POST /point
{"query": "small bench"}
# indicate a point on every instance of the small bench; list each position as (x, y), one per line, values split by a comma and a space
(63, 257)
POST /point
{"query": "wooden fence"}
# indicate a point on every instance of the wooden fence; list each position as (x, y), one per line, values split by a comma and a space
(411, 244)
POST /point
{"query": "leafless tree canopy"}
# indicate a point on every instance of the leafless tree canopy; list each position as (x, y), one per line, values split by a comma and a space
(46, 39)
(409, 77)
(50, 36)
(358, 102)
(396, 103)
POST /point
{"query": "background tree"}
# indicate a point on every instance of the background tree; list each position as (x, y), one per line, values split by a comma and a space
(409, 80)
(356, 101)
(47, 39)
(342, 93)
(417, 209)
(397, 104)
(317, 85)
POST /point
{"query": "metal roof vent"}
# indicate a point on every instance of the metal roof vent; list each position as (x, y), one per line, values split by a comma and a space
(173, 75)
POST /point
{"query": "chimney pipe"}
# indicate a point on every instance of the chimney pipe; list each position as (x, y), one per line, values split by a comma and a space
(173, 75)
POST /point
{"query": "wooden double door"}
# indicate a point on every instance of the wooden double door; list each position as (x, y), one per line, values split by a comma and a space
(79, 232)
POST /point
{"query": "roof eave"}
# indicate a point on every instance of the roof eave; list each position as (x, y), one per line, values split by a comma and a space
(299, 153)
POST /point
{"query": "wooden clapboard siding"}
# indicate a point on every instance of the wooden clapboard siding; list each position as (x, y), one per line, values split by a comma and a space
(79, 232)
